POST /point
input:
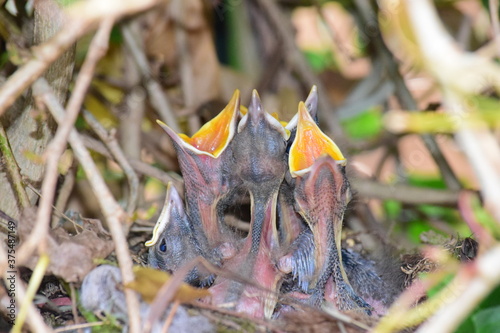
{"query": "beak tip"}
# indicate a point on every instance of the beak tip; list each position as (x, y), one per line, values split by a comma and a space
(255, 108)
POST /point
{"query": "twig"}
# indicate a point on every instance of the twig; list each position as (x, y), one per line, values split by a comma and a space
(493, 4)
(295, 58)
(115, 150)
(71, 328)
(157, 97)
(404, 193)
(81, 18)
(486, 278)
(170, 317)
(139, 166)
(402, 93)
(479, 146)
(111, 210)
(34, 284)
(74, 309)
(63, 197)
(13, 169)
(56, 147)
(34, 318)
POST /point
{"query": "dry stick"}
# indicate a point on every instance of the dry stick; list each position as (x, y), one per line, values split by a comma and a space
(139, 166)
(402, 93)
(295, 58)
(64, 195)
(34, 318)
(81, 18)
(157, 97)
(115, 150)
(493, 4)
(404, 193)
(486, 278)
(111, 210)
(13, 169)
(480, 146)
(56, 147)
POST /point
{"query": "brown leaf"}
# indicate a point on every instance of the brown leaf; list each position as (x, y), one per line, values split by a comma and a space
(148, 282)
(71, 256)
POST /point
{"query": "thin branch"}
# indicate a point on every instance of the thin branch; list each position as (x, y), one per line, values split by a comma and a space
(13, 169)
(114, 148)
(468, 296)
(34, 284)
(34, 318)
(158, 98)
(296, 59)
(81, 18)
(402, 93)
(111, 210)
(493, 4)
(64, 195)
(139, 166)
(56, 147)
(404, 193)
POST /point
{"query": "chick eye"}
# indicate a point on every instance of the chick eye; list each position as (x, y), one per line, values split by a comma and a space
(163, 245)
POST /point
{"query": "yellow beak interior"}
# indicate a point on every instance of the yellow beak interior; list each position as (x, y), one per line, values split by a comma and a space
(309, 144)
(214, 136)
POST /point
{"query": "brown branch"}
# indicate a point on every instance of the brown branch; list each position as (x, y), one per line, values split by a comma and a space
(403, 94)
(64, 195)
(56, 147)
(111, 210)
(33, 318)
(296, 59)
(13, 170)
(467, 294)
(158, 98)
(111, 143)
(404, 193)
(139, 166)
(82, 17)
(493, 4)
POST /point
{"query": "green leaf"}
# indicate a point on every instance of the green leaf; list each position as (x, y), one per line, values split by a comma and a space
(492, 301)
(320, 59)
(392, 209)
(365, 125)
(487, 321)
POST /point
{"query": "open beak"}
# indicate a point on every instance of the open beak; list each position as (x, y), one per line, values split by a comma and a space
(213, 137)
(259, 149)
(202, 159)
(309, 144)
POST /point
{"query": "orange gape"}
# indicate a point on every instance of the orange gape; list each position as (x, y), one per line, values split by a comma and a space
(310, 143)
(293, 242)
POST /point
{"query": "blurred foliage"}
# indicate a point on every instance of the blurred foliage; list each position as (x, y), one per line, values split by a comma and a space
(320, 60)
(485, 318)
(367, 125)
